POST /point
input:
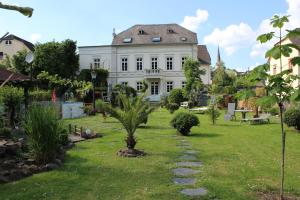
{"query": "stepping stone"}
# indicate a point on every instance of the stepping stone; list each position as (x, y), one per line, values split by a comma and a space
(184, 171)
(185, 146)
(188, 157)
(189, 164)
(194, 192)
(185, 181)
(191, 152)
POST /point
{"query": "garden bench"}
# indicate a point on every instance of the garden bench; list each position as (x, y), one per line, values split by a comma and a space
(184, 104)
(264, 118)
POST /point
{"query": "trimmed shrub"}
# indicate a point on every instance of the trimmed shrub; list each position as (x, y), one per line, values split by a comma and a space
(183, 122)
(292, 118)
(172, 107)
(44, 130)
(176, 96)
(273, 111)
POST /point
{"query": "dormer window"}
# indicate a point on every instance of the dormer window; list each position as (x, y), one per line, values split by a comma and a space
(171, 31)
(156, 39)
(183, 39)
(8, 42)
(141, 32)
(127, 40)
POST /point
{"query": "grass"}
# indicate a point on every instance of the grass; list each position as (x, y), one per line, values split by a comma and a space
(240, 160)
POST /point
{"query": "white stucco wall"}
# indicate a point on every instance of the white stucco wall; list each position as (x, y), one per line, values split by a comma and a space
(112, 55)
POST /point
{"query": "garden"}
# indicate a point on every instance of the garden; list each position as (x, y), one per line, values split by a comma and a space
(147, 151)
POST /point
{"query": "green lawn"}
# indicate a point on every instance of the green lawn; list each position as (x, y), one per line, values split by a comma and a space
(239, 160)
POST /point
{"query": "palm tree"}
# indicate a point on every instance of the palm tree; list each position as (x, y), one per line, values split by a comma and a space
(132, 113)
(27, 11)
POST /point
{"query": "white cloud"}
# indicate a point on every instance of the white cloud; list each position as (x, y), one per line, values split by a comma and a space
(232, 37)
(258, 50)
(34, 37)
(237, 36)
(193, 22)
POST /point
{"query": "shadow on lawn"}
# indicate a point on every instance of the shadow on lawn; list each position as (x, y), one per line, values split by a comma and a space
(154, 127)
(207, 135)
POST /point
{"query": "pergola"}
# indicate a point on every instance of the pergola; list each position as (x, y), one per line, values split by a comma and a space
(10, 77)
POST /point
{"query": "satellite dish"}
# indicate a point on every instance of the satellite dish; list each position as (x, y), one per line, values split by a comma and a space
(29, 57)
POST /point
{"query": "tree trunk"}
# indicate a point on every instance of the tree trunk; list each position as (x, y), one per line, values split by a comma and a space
(282, 153)
(130, 141)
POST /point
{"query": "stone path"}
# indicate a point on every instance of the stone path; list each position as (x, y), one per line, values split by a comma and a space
(188, 165)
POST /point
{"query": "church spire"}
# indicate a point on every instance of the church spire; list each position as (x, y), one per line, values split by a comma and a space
(219, 61)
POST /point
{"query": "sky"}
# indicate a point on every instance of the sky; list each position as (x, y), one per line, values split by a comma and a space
(232, 24)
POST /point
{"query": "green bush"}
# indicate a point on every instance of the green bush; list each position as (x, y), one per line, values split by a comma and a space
(172, 107)
(292, 118)
(273, 111)
(164, 101)
(44, 130)
(183, 122)
(40, 95)
(5, 133)
(176, 96)
(213, 114)
(12, 97)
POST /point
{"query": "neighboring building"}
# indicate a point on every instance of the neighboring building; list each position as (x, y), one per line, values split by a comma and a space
(155, 53)
(286, 61)
(11, 44)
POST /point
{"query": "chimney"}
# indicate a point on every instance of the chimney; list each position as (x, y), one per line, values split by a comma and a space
(114, 33)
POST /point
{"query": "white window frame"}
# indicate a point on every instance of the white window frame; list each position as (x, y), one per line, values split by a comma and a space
(97, 63)
(169, 86)
(124, 83)
(139, 63)
(154, 62)
(183, 59)
(139, 86)
(154, 88)
(8, 42)
(183, 84)
(124, 64)
(169, 63)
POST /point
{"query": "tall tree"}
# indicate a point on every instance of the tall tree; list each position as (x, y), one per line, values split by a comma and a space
(56, 58)
(194, 83)
(19, 63)
(27, 11)
(280, 85)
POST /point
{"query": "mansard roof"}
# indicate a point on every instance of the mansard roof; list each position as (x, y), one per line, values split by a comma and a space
(203, 55)
(155, 34)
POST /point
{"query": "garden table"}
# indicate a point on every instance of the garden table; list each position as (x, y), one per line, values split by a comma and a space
(244, 112)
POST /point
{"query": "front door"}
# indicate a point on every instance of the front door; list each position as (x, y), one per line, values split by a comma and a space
(154, 88)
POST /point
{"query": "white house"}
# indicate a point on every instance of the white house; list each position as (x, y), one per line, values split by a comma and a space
(154, 53)
(286, 61)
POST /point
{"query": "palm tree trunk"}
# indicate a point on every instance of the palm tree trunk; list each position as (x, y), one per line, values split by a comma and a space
(282, 153)
(131, 141)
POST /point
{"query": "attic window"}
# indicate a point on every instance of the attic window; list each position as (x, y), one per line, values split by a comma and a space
(141, 32)
(183, 39)
(127, 40)
(156, 39)
(8, 42)
(171, 31)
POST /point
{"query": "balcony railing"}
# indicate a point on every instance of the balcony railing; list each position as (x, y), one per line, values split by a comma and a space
(153, 73)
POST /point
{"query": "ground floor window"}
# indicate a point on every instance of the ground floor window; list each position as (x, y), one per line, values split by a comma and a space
(169, 86)
(124, 83)
(154, 88)
(139, 86)
(183, 83)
